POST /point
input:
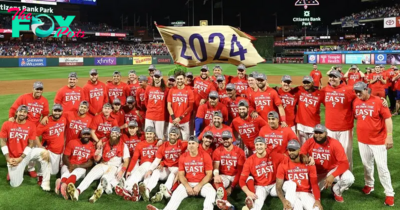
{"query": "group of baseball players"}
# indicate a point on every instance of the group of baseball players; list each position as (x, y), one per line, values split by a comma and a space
(204, 135)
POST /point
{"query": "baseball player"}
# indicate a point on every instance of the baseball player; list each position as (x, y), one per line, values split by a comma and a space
(396, 88)
(289, 101)
(70, 95)
(133, 83)
(77, 158)
(145, 151)
(152, 69)
(132, 113)
(228, 165)
(95, 92)
(76, 121)
(164, 167)
(117, 113)
(171, 82)
(37, 104)
(330, 160)
(377, 82)
(195, 172)
(202, 87)
(155, 100)
(275, 135)
(117, 89)
(112, 162)
(180, 105)
(389, 90)
(262, 166)
(221, 87)
(217, 71)
(53, 137)
(206, 142)
(101, 125)
(309, 100)
(266, 100)
(133, 136)
(353, 75)
(140, 92)
(217, 128)
(232, 102)
(317, 77)
(16, 141)
(252, 82)
(206, 111)
(305, 177)
(375, 138)
(240, 81)
(247, 127)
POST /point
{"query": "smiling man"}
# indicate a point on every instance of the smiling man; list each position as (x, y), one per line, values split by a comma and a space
(95, 92)
(70, 95)
(117, 89)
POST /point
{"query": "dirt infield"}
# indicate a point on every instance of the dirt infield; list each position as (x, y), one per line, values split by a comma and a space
(53, 85)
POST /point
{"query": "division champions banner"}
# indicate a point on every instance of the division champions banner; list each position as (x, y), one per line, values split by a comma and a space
(198, 45)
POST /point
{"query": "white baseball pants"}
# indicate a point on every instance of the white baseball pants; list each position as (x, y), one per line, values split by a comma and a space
(304, 200)
(368, 154)
(137, 175)
(262, 192)
(343, 182)
(55, 160)
(158, 125)
(166, 173)
(97, 172)
(227, 180)
(78, 172)
(207, 191)
(346, 139)
(304, 133)
(185, 131)
(293, 128)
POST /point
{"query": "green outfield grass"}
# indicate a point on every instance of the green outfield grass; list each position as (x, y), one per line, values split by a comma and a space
(30, 196)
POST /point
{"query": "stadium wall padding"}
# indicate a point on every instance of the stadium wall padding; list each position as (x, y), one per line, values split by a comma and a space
(9, 62)
(52, 62)
(88, 61)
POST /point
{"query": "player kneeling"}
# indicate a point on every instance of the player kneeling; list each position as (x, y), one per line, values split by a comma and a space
(77, 158)
(228, 165)
(195, 172)
(114, 154)
(305, 177)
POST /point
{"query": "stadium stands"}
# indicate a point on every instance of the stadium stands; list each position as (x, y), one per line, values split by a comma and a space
(377, 12)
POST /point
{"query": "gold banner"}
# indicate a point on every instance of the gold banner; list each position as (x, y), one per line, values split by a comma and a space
(142, 60)
(199, 45)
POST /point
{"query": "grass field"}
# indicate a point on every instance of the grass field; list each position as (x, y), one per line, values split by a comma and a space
(30, 196)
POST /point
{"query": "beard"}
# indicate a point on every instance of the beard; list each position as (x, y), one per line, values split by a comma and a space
(293, 156)
(243, 115)
(84, 140)
(322, 141)
(114, 140)
(217, 124)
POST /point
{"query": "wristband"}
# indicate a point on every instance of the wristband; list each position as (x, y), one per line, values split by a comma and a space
(283, 118)
(216, 172)
(27, 151)
(4, 149)
(173, 116)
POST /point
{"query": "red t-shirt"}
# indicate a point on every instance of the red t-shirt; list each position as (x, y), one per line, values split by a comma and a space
(338, 107)
(120, 91)
(222, 94)
(265, 101)
(109, 152)
(353, 78)
(132, 88)
(201, 89)
(18, 136)
(371, 115)
(278, 138)
(217, 134)
(317, 76)
(132, 141)
(140, 92)
(206, 111)
(156, 103)
(308, 108)
(229, 160)
(289, 102)
(75, 124)
(232, 106)
(240, 84)
(195, 167)
(37, 107)
(119, 116)
(69, 98)
(388, 75)
(248, 129)
(170, 154)
(103, 125)
(130, 114)
(53, 134)
(78, 152)
(144, 151)
(396, 83)
(209, 151)
(96, 95)
(378, 85)
(182, 101)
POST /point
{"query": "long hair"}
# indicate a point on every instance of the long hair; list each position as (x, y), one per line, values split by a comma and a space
(162, 86)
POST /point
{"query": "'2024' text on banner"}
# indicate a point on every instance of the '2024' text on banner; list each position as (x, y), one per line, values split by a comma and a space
(142, 60)
(199, 45)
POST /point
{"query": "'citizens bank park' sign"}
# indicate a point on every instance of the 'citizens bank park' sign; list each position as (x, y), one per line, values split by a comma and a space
(28, 8)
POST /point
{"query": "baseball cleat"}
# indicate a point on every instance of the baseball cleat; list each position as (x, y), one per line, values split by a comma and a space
(367, 189)
(32, 174)
(338, 198)
(96, 195)
(151, 207)
(119, 190)
(223, 204)
(165, 191)
(144, 192)
(220, 193)
(135, 190)
(39, 180)
(45, 186)
(249, 202)
(106, 186)
(127, 196)
(64, 191)
(73, 192)
(157, 197)
(389, 201)
(58, 186)
(121, 182)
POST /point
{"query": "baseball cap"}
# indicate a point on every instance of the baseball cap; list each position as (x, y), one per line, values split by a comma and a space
(218, 114)
(116, 101)
(152, 67)
(93, 71)
(259, 139)
(37, 85)
(226, 134)
(57, 107)
(243, 103)
(150, 129)
(335, 73)
(157, 73)
(242, 67)
(73, 75)
(115, 129)
(253, 74)
(133, 123)
(382, 66)
(189, 74)
(220, 78)
(117, 73)
(171, 78)
(261, 76)
(293, 144)
(360, 86)
(107, 105)
(130, 99)
(286, 78)
(193, 138)
(84, 103)
(142, 78)
(273, 114)
(23, 107)
(204, 67)
(308, 79)
(213, 94)
(132, 72)
(174, 130)
(218, 67)
(353, 66)
(208, 133)
(230, 86)
(320, 128)
(85, 131)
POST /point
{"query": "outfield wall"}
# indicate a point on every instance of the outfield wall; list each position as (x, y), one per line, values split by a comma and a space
(354, 57)
(41, 61)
